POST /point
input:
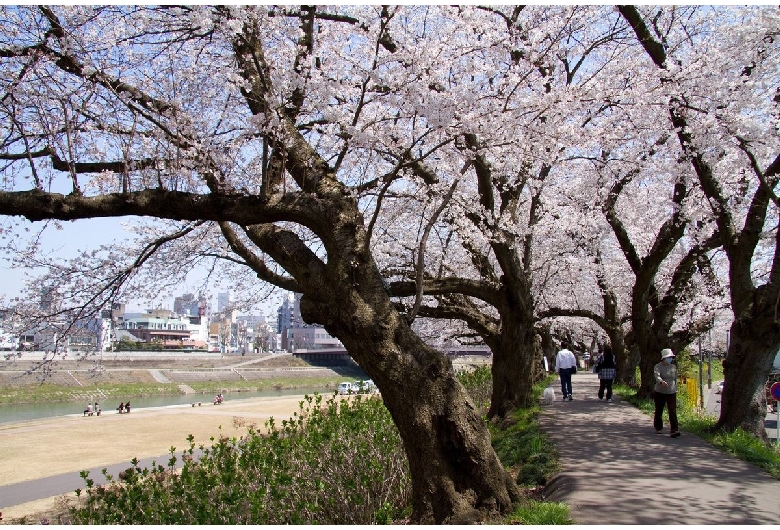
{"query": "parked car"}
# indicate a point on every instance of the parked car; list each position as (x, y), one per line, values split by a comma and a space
(346, 388)
(365, 387)
(719, 388)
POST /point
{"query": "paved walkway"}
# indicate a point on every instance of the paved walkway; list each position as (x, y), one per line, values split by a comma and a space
(617, 470)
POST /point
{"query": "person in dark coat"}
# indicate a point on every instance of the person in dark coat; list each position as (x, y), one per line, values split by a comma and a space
(607, 371)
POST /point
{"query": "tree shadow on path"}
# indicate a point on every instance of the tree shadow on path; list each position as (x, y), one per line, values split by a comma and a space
(617, 470)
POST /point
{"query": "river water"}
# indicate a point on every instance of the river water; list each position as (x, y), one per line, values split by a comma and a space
(34, 411)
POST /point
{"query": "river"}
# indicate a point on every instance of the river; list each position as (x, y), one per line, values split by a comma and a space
(34, 411)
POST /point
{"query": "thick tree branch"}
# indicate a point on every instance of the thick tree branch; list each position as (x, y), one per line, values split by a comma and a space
(444, 286)
(246, 210)
(653, 48)
(461, 309)
(256, 263)
(289, 251)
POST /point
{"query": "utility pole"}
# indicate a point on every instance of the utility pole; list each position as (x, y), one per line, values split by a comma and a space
(701, 377)
(709, 354)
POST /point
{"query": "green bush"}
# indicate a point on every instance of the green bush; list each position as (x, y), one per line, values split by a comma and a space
(479, 384)
(342, 463)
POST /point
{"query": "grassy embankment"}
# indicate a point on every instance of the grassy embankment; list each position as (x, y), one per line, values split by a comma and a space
(119, 382)
(693, 420)
(49, 393)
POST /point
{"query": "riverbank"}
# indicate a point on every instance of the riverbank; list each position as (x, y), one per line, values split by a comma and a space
(47, 448)
(25, 380)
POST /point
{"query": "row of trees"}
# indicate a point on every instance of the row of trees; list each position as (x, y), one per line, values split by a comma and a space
(498, 167)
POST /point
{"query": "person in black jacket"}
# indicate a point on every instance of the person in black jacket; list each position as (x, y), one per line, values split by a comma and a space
(607, 371)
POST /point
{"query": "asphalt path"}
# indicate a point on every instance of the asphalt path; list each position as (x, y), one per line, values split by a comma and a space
(617, 470)
(32, 490)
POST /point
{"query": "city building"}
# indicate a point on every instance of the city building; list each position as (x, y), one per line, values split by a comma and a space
(223, 301)
(308, 342)
(166, 329)
(187, 304)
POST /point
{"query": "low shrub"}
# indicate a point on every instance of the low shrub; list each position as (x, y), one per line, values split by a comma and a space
(522, 445)
(341, 463)
(479, 384)
(541, 513)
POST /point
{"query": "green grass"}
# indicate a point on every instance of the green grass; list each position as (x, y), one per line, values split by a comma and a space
(50, 393)
(525, 450)
(276, 383)
(537, 513)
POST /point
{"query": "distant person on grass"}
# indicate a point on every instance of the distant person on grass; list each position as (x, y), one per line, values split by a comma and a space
(607, 370)
(665, 393)
(565, 366)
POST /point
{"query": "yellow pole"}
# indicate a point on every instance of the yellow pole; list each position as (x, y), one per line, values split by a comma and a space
(693, 397)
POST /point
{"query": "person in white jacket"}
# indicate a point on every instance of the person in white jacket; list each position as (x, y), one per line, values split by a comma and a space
(565, 366)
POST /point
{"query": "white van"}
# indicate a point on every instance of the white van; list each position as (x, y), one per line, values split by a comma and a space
(345, 388)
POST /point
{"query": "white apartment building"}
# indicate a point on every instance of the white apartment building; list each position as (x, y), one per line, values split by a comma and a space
(170, 330)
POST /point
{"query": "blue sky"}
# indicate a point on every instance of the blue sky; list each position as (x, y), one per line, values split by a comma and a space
(76, 236)
(88, 234)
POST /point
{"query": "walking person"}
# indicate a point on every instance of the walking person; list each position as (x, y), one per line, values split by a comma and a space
(665, 393)
(607, 370)
(565, 366)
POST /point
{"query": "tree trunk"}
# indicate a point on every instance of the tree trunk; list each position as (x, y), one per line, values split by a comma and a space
(645, 343)
(513, 368)
(625, 372)
(752, 350)
(456, 475)
(548, 344)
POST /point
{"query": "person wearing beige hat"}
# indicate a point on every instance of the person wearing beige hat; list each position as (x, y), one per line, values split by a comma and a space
(665, 393)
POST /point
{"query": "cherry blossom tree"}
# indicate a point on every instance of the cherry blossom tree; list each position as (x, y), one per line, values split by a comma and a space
(664, 273)
(521, 131)
(255, 134)
(717, 90)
